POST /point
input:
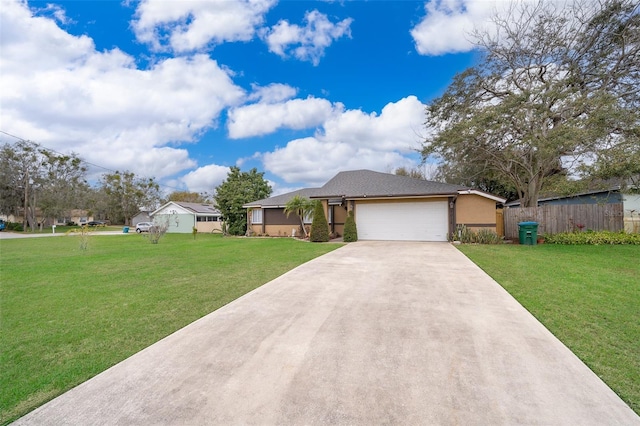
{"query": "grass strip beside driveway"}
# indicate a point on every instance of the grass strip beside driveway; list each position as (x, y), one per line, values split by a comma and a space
(587, 296)
(67, 314)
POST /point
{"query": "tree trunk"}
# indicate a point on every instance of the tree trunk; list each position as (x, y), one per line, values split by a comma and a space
(304, 231)
(531, 192)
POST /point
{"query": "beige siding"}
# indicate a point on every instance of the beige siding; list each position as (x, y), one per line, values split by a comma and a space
(339, 218)
(476, 212)
(275, 230)
(208, 227)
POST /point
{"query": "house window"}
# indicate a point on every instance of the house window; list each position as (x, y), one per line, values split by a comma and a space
(256, 216)
(308, 218)
(330, 214)
(207, 218)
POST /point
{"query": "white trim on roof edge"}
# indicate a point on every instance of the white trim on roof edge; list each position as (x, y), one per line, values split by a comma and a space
(482, 194)
(168, 204)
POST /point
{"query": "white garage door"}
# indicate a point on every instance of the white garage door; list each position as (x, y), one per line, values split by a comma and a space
(425, 221)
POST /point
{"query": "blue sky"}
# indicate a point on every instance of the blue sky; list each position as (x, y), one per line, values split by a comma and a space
(182, 90)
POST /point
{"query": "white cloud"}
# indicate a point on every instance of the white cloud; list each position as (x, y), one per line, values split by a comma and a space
(314, 162)
(309, 42)
(186, 26)
(58, 90)
(396, 128)
(352, 140)
(264, 118)
(272, 93)
(206, 178)
(447, 24)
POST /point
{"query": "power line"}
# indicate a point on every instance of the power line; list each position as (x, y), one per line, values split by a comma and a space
(81, 159)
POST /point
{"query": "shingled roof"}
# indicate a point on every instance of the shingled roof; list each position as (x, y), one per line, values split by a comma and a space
(198, 207)
(367, 183)
(282, 199)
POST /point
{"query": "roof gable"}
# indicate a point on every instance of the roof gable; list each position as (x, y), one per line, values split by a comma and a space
(175, 207)
(282, 199)
(367, 183)
(199, 208)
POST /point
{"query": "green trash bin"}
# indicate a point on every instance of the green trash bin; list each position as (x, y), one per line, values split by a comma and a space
(528, 232)
(125, 230)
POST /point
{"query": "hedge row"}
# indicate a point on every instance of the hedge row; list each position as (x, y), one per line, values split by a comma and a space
(593, 238)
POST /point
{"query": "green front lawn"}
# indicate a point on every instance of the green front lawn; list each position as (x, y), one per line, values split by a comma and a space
(588, 296)
(67, 314)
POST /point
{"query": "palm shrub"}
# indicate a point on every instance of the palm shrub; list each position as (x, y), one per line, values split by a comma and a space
(319, 225)
(301, 207)
(350, 230)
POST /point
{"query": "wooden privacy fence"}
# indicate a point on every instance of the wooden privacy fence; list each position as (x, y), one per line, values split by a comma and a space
(553, 219)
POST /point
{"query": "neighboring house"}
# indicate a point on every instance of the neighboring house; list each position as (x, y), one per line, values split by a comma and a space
(143, 216)
(609, 196)
(183, 217)
(630, 203)
(387, 207)
(77, 216)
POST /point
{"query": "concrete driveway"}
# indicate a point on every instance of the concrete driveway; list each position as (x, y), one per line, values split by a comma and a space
(372, 333)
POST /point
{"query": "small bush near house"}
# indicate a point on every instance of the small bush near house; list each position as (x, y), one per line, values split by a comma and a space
(14, 226)
(350, 230)
(483, 236)
(319, 226)
(593, 238)
(157, 231)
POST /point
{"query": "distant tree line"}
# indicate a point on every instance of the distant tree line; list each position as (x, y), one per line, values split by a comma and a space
(37, 184)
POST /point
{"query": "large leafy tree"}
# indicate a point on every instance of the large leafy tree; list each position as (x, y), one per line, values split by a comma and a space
(126, 194)
(237, 190)
(186, 196)
(477, 176)
(557, 87)
(20, 176)
(412, 173)
(63, 185)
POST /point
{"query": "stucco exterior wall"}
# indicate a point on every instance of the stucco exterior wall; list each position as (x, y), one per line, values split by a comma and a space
(339, 218)
(275, 230)
(476, 212)
(178, 223)
(278, 217)
(208, 227)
